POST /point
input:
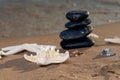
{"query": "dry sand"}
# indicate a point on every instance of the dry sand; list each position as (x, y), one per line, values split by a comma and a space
(84, 67)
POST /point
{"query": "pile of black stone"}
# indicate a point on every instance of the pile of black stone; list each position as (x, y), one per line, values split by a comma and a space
(76, 35)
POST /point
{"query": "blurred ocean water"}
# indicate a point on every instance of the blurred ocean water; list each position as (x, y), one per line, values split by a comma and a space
(36, 17)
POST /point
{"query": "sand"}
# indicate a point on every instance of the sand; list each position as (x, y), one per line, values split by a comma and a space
(87, 66)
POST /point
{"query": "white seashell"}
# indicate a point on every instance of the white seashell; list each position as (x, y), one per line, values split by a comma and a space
(93, 35)
(48, 57)
(112, 40)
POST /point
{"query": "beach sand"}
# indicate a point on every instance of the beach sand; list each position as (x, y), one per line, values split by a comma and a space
(87, 66)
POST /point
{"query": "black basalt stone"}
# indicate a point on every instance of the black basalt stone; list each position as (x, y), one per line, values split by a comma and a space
(77, 15)
(71, 34)
(78, 24)
(79, 43)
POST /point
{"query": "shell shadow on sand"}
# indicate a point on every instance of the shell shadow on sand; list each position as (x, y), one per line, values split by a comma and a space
(19, 64)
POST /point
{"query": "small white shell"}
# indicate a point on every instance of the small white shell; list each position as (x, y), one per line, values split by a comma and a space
(93, 35)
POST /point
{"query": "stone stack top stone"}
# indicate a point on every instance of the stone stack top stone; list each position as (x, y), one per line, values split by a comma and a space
(77, 15)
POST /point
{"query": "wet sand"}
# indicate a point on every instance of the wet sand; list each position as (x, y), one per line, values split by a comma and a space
(87, 66)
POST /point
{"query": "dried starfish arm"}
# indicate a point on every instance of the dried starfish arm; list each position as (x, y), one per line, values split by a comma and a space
(13, 51)
(13, 47)
(9, 48)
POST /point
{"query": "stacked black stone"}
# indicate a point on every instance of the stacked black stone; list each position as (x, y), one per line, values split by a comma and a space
(77, 30)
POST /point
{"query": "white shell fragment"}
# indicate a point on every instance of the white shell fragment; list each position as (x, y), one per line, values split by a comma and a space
(93, 35)
(47, 57)
(28, 47)
(113, 40)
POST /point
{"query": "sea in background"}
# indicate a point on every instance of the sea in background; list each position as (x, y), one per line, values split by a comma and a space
(37, 17)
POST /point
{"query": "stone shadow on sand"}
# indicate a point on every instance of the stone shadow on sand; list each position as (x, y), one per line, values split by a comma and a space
(70, 50)
(19, 65)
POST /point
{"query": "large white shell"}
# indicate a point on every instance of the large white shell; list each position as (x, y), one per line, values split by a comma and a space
(113, 40)
(47, 57)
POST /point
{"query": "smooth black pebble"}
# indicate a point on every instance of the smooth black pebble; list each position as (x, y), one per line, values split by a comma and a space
(78, 24)
(77, 15)
(72, 34)
(79, 43)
